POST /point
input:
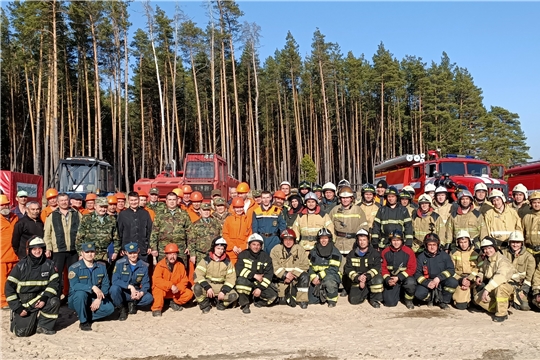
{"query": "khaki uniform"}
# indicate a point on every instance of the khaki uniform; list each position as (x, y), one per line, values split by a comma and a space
(525, 265)
(486, 205)
(536, 285)
(306, 227)
(531, 230)
(346, 223)
(466, 264)
(499, 225)
(217, 275)
(443, 210)
(370, 211)
(522, 209)
(221, 218)
(422, 226)
(295, 261)
(472, 222)
(496, 272)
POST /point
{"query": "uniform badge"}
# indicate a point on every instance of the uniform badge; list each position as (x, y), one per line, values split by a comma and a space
(89, 246)
(274, 223)
(71, 275)
(131, 247)
(139, 278)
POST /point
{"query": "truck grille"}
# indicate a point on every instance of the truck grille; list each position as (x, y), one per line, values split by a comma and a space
(204, 189)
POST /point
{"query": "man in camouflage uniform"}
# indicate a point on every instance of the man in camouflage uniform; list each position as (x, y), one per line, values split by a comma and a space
(154, 202)
(170, 226)
(201, 233)
(99, 228)
(221, 212)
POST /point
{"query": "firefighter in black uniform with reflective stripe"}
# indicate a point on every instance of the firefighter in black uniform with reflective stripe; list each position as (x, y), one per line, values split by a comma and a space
(31, 288)
(324, 275)
(390, 217)
(255, 272)
(363, 267)
(435, 274)
(398, 267)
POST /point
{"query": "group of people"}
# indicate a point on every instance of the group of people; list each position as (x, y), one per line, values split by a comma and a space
(295, 247)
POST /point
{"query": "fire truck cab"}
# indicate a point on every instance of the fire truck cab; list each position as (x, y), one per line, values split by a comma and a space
(457, 169)
(527, 174)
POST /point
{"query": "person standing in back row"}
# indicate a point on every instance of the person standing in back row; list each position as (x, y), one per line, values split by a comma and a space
(135, 225)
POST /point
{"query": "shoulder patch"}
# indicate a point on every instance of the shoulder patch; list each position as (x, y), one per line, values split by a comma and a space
(76, 265)
(71, 274)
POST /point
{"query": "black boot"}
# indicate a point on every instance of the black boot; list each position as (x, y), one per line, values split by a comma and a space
(132, 307)
(409, 304)
(123, 314)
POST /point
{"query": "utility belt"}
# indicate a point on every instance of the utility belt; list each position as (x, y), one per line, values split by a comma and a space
(219, 282)
(308, 238)
(269, 234)
(346, 235)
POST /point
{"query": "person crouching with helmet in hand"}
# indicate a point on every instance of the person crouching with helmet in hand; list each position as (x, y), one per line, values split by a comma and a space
(291, 265)
(215, 278)
(170, 281)
(324, 273)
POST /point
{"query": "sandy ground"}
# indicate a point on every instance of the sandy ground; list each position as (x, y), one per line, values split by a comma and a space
(345, 332)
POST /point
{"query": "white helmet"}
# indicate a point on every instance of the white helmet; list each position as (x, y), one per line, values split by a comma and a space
(285, 183)
(429, 187)
(441, 189)
(255, 237)
(520, 188)
(408, 188)
(329, 186)
(463, 234)
(362, 232)
(480, 186)
(516, 236)
(425, 198)
(496, 193)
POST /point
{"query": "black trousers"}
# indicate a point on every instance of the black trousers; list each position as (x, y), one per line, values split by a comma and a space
(373, 290)
(392, 294)
(45, 318)
(63, 260)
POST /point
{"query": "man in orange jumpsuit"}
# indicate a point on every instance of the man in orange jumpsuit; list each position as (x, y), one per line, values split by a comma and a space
(249, 204)
(170, 281)
(186, 199)
(90, 202)
(236, 229)
(8, 257)
(52, 203)
(194, 209)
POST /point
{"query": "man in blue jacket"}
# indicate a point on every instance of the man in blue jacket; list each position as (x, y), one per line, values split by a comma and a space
(268, 221)
(130, 282)
(89, 288)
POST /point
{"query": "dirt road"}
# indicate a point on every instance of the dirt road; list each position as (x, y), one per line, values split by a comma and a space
(345, 332)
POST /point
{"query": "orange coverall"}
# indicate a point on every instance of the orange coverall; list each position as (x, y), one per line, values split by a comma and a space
(8, 258)
(236, 231)
(162, 281)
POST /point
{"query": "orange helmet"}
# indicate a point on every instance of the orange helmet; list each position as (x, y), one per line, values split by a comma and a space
(196, 196)
(142, 193)
(120, 195)
(242, 188)
(187, 189)
(171, 248)
(112, 200)
(50, 193)
(91, 197)
(178, 192)
(237, 202)
(280, 195)
(4, 200)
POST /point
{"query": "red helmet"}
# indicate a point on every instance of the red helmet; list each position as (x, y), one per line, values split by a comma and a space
(171, 248)
(280, 195)
(237, 202)
(196, 196)
(288, 233)
(187, 189)
(91, 197)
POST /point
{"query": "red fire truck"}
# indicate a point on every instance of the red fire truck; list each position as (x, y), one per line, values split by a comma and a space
(417, 171)
(527, 174)
(203, 172)
(12, 182)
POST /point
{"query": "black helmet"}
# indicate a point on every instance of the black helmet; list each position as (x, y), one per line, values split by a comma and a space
(431, 237)
(317, 187)
(368, 188)
(396, 234)
(405, 195)
(392, 190)
(324, 232)
(304, 185)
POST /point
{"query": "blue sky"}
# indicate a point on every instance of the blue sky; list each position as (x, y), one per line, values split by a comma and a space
(499, 43)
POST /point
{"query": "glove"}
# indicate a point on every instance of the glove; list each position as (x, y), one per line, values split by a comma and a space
(525, 289)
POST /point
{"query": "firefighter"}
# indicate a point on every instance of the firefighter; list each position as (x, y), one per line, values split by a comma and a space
(154, 202)
(279, 199)
(32, 290)
(493, 290)
(521, 202)
(398, 267)
(425, 221)
(130, 283)
(8, 255)
(310, 221)
(236, 229)
(368, 204)
(255, 271)
(405, 200)
(501, 220)
(215, 278)
(380, 198)
(296, 205)
(429, 189)
(348, 219)
(329, 200)
(440, 204)
(285, 187)
(89, 288)
(480, 198)
(392, 216)
(466, 261)
(291, 266)
(531, 227)
(435, 274)
(318, 191)
(525, 265)
(268, 221)
(221, 210)
(170, 281)
(194, 209)
(303, 188)
(409, 189)
(465, 217)
(363, 267)
(52, 203)
(324, 274)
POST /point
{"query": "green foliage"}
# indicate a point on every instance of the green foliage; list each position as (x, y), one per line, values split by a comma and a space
(308, 170)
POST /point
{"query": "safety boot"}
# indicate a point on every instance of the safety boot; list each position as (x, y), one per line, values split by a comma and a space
(41, 330)
(176, 307)
(525, 305)
(443, 306)
(206, 310)
(282, 301)
(220, 306)
(461, 306)
(303, 305)
(331, 304)
(86, 326)
(343, 293)
(156, 313)
(132, 308)
(500, 318)
(409, 304)
(123, 314)
(375, 304)
(245, 309)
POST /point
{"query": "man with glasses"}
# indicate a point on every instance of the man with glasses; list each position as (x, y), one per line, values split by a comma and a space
(28, 226)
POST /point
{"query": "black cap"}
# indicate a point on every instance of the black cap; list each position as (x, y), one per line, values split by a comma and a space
(382, 184)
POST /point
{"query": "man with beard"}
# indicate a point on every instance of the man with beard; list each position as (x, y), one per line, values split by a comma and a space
(466, 262)
(363, 267)
(291, 265)
(310, 221)
(255, 271)
(279, 199)
(425, 221)
(268, 221)
(465, 217)
(324, 274)
(32, 288)
(435, 274)
(368, 204)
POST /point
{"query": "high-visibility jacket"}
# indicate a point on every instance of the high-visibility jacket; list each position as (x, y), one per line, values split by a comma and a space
(524, 263)
(294, 261)
(163, 278)
(495, 271)
(389, 219)
(531, 231)
(250, 264)
(236, 231)
(484, 207)
(307, 225)
(322, 267)
(466, 263)
(151, 212)
(522, 209)
(398, 262)
(347, 221)
(368, 264)
(536, 281)
(7, 224)
(370, 210)
(424, 224)
(472, 221)
(499, 225)
(209, 271)
(269, 224)
(443, 210)
(194, 215)
(430, 266)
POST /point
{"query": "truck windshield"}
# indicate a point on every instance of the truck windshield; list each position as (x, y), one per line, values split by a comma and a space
(77, 178)
(458, 168)
(477, 169)
(199, 170)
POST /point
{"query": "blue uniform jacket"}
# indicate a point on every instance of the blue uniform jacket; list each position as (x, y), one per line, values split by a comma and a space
(269, 224)
(123, 276)
(82, 278)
